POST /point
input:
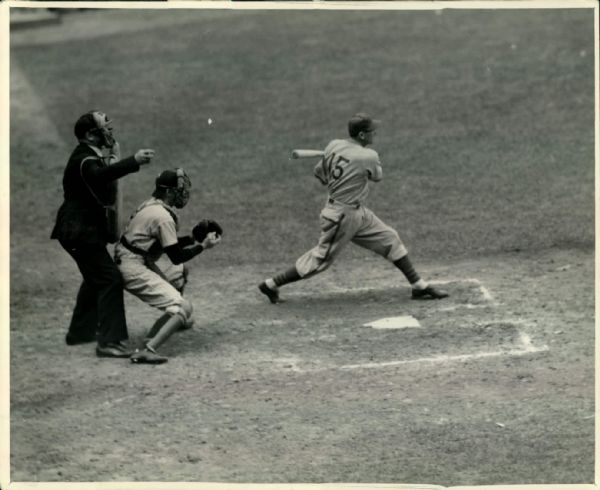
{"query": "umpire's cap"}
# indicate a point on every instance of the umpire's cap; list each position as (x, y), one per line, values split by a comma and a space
(362, 122)
(84, 124)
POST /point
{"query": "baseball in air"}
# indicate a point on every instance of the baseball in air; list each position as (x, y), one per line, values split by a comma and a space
(209, 121)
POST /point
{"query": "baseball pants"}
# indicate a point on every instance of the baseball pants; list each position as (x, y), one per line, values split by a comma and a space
(341, 224)
(148, 282)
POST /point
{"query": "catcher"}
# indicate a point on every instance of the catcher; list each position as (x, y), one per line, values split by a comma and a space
(150, 233)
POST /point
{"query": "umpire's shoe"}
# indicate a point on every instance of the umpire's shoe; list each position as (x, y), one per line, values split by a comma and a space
(77, 340)
(272, 294)
(147, 356)
(429, 293)
(113, 349)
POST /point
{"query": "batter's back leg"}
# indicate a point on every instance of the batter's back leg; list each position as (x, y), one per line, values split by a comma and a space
(270, 287)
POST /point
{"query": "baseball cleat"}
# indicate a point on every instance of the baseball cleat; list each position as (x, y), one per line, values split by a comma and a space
(272, 294)
(147, 357)
(428, 293)
(113, 349)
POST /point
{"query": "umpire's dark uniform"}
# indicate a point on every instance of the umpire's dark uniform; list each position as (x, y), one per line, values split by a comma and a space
(81, 228)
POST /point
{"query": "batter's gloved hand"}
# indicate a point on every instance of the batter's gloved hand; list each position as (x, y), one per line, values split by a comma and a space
(204, 227)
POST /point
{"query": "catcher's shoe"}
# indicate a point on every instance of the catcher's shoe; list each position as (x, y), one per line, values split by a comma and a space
(147, 356)
(272, 294)
(429, 293)
(113, 349)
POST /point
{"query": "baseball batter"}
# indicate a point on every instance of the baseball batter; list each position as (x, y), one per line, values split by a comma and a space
(150, 233)
(346, 169)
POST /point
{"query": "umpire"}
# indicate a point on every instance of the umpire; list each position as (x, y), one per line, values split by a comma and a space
(82, 228)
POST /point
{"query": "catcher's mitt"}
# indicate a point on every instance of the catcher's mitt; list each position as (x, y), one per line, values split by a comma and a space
(204, 227)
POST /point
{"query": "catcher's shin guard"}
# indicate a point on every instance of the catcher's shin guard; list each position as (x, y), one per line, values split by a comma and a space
(173, 323)
(158, 324)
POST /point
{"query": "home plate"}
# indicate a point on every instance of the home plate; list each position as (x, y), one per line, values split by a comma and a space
(395, 322)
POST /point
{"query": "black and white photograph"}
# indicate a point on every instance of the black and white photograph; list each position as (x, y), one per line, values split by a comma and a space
(343, 244)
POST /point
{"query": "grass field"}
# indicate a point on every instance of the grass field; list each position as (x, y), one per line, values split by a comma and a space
(488, 150)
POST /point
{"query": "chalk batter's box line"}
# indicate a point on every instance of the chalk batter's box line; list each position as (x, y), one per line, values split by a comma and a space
(526, 345)
(526, 348)
(485, 292)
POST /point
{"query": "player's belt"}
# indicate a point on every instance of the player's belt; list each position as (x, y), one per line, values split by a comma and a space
(132, 248)
(333, 201)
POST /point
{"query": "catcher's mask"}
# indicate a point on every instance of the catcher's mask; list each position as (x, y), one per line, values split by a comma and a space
(97, 123)
(178, 182)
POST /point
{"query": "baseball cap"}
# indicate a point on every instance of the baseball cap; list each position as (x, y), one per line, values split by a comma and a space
(362, 122)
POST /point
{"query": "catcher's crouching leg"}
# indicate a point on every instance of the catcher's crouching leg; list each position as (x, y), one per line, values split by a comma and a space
(177, 275)
(178, 278)
(164, 318)
(181, 279)
(177, 317)
(180, 286)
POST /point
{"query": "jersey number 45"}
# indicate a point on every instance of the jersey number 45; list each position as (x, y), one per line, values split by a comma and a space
(334, 170)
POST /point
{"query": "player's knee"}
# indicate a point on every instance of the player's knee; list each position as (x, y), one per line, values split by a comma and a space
(391, 235)
(323, 266)
(396, 252)
(392, 247)
(184, 310)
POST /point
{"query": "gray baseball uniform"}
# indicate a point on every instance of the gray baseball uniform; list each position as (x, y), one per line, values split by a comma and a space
(346, 169)
(150, 230)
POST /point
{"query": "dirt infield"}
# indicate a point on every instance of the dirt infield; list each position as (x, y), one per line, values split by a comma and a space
(304, 392)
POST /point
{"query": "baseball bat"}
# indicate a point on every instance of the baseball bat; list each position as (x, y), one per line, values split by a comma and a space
(306, 153)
